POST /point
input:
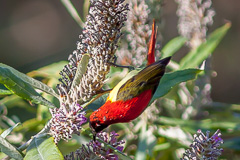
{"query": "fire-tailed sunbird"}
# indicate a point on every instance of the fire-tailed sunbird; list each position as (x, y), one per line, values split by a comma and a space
(130, 97)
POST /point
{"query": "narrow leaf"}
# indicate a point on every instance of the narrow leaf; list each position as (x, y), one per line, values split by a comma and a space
(81, 69)
(205, 124)
(96, 102)
(43, 148)
(9, 149)
(21, 88)
(195, 57)
(9, 130)
(169, 80)
(173, 46)
(31, 124)
(85, 9)
(4, 90)
(49, 71)
(176, 134)
(73, 12)
(162, 146)
(31, 81)
(146, 143)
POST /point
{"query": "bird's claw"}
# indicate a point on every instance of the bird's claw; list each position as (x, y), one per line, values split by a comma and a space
(120, 66)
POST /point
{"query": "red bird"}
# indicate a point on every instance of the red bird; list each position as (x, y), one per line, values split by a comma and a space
(130, 97)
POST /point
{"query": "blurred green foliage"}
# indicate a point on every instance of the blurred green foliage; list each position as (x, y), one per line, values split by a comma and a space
(163, 131)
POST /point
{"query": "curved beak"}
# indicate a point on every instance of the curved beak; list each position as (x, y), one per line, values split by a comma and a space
(93, 132)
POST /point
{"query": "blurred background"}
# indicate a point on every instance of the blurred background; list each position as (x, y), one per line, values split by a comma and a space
(35, 33)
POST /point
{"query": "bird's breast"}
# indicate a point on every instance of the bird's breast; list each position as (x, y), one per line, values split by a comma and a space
(122, 111)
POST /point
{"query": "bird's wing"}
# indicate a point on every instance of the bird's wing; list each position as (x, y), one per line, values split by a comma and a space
(146, 79)
(113, 94)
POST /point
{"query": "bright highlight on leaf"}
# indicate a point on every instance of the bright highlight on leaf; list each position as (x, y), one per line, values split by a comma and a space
(82, 68)
(9, 130)
(43, 148)
(173, 46)
(169, 80)
(195, 57)
(12, 80)
(31, 81)
(9, 149)
(4, 90)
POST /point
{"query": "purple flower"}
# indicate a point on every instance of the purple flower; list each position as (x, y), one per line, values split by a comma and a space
(99, 43)
(96, 150)
(204, 147)
(66, 121)
(106, 152)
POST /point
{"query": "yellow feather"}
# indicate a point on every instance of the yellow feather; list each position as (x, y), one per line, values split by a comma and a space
(113, 94)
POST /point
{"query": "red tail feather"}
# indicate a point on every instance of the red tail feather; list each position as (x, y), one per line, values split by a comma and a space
(151, 50)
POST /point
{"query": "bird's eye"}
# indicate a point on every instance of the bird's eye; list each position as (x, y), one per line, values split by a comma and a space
(142, 83)
(98, 125)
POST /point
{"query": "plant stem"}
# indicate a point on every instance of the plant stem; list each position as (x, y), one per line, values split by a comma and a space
(73, 12)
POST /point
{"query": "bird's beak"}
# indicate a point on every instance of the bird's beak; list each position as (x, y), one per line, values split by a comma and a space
(93, 132)
(94, 137)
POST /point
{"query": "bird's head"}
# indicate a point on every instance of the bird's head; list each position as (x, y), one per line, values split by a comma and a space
(96, 126)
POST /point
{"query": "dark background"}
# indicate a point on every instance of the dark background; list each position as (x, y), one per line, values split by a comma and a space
(34, 33)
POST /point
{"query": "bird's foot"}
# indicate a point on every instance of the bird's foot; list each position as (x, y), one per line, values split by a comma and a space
(120, 66)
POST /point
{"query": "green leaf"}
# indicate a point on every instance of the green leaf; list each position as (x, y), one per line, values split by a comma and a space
(81, 69)
(20, 87)
(195, 57)
(73, 12)
(85, 9)
(9, 149)
(173, 46)
(169, 80)
(176, 134)
(50, 71)
(205, 124)
(146, 143)
(4, 90)
(8, 131)
(31, 125)
(31, 81)
(43, 148)
(162, 146)
(96, 103)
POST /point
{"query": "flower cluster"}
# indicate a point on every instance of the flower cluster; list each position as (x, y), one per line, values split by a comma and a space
(204, 147)
(66, 121)
(105, 152)
(138, 32)
(99, 40)
(97, 150)
(194, 18)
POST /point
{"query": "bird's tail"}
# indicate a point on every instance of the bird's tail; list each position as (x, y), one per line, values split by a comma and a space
(152, 42)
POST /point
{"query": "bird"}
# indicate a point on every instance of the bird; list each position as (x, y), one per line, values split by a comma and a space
(131, 96)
